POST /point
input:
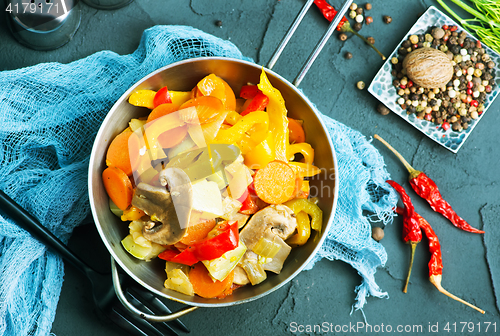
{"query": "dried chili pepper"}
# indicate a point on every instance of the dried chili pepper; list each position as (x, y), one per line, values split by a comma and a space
(329, 12)
(344, 26)
(428, 190)
(435, 263)
(411, 230)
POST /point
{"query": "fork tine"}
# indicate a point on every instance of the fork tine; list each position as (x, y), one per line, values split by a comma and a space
(137, 325)
(142, 305)
(118, 316)
(157, 305)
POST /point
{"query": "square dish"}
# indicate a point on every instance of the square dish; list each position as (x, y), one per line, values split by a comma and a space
(382, 88)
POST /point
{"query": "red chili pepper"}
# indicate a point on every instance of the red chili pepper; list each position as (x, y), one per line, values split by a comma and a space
(428, 190)
(258, 103)
(436, 263)
(249, 91)
(329, 12)
(162, 97)
(411, 230)
(344, 26)
(207, 249)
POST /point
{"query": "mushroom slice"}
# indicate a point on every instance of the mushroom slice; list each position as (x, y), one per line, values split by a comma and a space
(279, 219)
(181, 191)
(164, 227)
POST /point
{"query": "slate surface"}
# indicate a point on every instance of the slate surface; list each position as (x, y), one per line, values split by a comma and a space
(324, 295)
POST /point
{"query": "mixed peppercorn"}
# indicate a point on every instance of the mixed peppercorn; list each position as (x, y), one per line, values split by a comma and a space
(464, 96)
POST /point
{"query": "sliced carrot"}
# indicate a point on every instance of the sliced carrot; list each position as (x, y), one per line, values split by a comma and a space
(197, 232)
(229, 291)
(203, 284)
(173, 137)
(295, 131)
(275, 183)
(208, 108)
(118, 186)
(118, 153)
(162, 110)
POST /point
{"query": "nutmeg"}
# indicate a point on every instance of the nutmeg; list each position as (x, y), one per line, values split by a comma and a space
(428, 67)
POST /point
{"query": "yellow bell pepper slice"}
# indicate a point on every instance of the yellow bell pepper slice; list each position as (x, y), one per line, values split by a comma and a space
(303, 230)
(179, 97)
(303, 148)
(262, 154)
(212, 85)
(145, 98)
(157, 127)
(256, 124)
(142, 98)
(232, 117)
(132, 214)
(304, 169)
(300, 204)
(215, 86)
(278, 121)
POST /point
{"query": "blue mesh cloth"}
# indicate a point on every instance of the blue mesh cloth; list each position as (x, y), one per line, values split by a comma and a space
(50, 114)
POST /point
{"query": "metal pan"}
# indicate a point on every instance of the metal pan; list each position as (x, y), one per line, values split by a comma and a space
(185, 75)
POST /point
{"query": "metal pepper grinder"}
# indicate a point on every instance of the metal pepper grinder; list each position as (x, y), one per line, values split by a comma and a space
(43, 24)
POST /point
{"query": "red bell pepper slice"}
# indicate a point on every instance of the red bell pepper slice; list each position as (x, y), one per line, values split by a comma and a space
(185, 257)
(215, 247)
(258, 103)
(162, 97)
(207, 249)
(248, 201)
(249, 91)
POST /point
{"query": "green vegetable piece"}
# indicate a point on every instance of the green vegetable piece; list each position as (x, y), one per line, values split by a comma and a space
(220, 178)
(203, 162)
(141, 252)
(179, 281)
(266, 248)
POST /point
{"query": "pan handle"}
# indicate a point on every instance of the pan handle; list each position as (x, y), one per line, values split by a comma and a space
(148, 317)
(312, 57)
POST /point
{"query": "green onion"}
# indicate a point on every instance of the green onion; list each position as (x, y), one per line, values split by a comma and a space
(486, 22)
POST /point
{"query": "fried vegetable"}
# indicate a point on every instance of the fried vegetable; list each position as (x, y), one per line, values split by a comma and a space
(275, 183)
(204, 285)
(118, 187)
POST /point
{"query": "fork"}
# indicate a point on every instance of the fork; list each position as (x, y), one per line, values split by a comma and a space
(140, 304)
